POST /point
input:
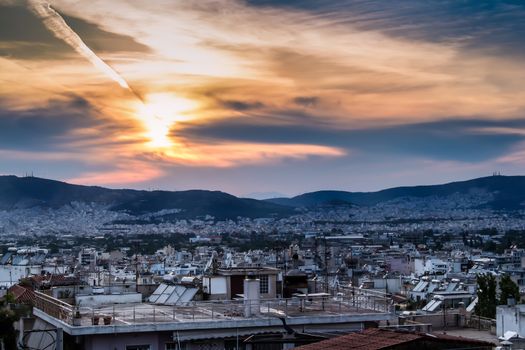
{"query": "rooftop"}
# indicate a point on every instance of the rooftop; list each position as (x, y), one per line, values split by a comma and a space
(206, 314)
(376, 338)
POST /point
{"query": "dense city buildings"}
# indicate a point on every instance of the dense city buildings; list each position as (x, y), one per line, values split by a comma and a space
(416, 265)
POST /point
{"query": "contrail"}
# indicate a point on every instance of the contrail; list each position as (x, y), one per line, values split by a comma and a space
(56, 24)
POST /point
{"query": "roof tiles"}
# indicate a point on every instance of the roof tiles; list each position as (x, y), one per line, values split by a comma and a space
(376, 338)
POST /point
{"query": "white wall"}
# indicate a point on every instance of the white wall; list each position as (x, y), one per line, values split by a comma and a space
(419, 267)
(10, 274)
(394, 284)
(215, 285)
(510, 318)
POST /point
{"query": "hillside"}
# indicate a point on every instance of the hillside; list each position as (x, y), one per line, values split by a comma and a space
(32, 192)
(496, 192)
(506, 192)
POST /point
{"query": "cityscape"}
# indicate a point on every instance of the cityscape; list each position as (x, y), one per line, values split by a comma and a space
(404, 259)
(262, 175)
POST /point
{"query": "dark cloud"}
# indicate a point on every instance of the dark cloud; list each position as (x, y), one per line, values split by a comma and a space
(306, 101)
(22, 35)
(242, 105)
(79, 102)
(41, 129)
(104, 41)
(458, 140)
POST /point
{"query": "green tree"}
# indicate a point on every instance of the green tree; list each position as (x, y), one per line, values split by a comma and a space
(486, 306)
(7, 318)
(508, 289)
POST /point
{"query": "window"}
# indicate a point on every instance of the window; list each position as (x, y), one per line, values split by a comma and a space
(263, 287)
(174, 346)
(138, 347)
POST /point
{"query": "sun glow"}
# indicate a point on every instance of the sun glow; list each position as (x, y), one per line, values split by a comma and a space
(160, 112)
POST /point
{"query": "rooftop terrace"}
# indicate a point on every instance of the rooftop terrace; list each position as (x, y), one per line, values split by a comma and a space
(362, 306)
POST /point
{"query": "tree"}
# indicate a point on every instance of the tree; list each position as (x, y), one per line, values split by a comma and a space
(508, 289)
(7, 318)
(486, 306)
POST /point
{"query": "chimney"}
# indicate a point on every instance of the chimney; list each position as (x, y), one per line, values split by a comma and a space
(252, 296)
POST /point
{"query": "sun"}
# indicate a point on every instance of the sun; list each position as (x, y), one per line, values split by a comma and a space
(160, 112)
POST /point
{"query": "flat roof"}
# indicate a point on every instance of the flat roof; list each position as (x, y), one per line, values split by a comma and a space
(144, 317)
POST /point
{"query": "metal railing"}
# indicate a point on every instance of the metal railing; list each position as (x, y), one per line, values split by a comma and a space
(54, 307)
(361, 303)
(368, 298)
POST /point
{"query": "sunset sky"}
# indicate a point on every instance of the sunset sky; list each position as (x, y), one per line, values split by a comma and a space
(264, 96)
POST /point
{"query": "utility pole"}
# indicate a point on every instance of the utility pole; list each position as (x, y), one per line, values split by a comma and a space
(285, 260)
(109, 276)
(444, 318)
(136, 267)
(353, 280)
(325, 264)
(386, 292)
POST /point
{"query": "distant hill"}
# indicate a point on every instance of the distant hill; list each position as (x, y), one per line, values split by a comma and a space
(30, 192)
(496, 192)
(508, 193)
(195, 203)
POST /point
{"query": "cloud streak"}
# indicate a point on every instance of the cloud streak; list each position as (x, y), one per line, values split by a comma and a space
(456, 140)
(56, 24)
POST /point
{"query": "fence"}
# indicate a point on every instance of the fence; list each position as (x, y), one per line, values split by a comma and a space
(481, 323)
(54, 307)
(448, 319)
(314, 305)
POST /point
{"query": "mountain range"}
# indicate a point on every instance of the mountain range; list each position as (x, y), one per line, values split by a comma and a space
(504, 192)
(499, 192)
(29, 192)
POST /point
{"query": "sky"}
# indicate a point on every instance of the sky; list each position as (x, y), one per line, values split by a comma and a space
(262, 98)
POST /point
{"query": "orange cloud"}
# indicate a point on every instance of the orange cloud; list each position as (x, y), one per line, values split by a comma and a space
(232, 154)
(128, 173)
